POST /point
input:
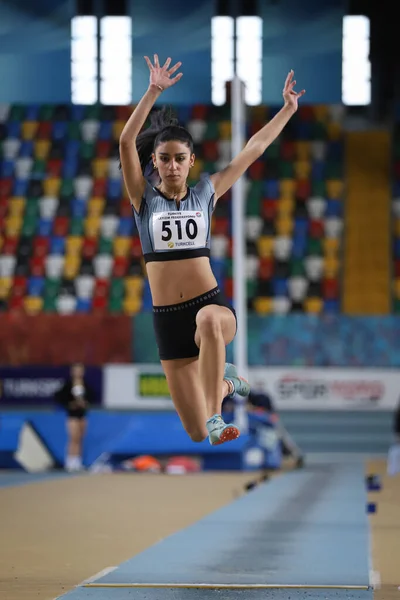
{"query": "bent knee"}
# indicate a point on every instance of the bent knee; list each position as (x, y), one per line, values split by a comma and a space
(208, 323)
(197, 435)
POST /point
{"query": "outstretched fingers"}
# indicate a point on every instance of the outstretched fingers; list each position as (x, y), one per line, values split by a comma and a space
(174, 68)
(288, 79)
(146, 58)
(177, 78)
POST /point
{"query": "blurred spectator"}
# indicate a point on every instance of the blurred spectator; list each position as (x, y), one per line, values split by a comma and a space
(259, 402)
(75, 397)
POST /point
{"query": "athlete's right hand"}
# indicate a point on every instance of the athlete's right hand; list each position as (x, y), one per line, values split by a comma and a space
(161, 76)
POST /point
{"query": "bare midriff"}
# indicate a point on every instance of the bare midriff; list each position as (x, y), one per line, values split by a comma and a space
(175, 281)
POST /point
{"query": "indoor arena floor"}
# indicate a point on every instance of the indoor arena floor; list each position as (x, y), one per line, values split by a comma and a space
(59, 531)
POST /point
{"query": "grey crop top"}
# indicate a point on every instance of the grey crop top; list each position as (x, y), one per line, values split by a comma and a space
(169, 233)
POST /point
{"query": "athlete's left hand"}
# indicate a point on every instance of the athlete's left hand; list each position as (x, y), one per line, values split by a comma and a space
(291, 97)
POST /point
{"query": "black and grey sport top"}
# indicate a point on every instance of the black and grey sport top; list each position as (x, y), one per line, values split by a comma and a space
(169, 233)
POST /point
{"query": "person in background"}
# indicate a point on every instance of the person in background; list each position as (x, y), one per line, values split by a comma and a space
(75, 397)
(259, 402)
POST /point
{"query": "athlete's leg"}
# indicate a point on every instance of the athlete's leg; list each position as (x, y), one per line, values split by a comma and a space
(187, 393)
(216, 328)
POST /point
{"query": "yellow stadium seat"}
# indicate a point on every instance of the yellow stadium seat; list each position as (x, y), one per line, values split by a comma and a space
(28, 129)
(33, 304)
(263, 305)
(334, 188)
(331, 266)
(13, 226)
(284, 225)
(225, 130)
(331, 246)
(133, 285)
(100, 167)
(321, 112)
(92, 226)
(71, 266)
(16, 206)
(117, 129)
(285, 206)
(132, 305)
(287, 187)
(334, 130)
(41, 149)
(121, 245)
(73, 245)
(313, 305)
(265, 246)
(302, 169)
(95, 206)
(51, 186)
(5, 286)
(259, 113)
(197, 169)
(303, 149)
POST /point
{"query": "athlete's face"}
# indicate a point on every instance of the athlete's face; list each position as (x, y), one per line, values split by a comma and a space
(173, 161)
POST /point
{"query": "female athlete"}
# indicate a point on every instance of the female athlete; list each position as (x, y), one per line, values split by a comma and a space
(192, 321)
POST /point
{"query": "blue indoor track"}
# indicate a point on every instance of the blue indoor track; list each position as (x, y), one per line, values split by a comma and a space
(304, 534)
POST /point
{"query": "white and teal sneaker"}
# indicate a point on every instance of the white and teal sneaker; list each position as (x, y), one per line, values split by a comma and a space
(219, 432)
(240, 385)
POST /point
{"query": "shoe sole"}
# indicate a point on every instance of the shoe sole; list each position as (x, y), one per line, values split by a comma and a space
(229, 434)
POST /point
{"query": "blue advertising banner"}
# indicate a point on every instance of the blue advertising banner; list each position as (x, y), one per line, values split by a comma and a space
(36, 386)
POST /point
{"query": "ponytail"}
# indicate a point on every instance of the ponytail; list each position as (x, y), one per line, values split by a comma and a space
(164, 127)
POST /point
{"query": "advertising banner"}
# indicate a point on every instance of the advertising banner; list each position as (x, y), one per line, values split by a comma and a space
(35, 386)
(145, 387)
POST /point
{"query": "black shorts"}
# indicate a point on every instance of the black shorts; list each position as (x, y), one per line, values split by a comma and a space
(175, 325)
(77, 414)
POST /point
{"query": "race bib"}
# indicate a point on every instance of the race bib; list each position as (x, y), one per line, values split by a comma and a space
(179, 230)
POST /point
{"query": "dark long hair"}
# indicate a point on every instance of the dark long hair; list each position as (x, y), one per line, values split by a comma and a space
(164, 127)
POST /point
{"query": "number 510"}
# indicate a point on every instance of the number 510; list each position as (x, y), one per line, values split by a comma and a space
(191, 229)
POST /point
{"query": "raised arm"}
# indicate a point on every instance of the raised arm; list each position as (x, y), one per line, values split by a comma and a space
(130, 161)
(259, 142)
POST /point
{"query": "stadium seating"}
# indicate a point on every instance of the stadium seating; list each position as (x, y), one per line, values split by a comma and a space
(68, 239)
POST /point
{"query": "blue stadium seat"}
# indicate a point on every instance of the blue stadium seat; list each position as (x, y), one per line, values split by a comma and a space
(14, 129)
(20, 187)
(271, 188)
(280, 287)
(105, 131)
(44, 227)
(147, 299)
(83, 305)
(184, 113)
(70, 167)
(35, 286)
(78, 207)
(318, 170)
(6, 168)
(57, 244)
(218, 267)
(334, 208)
(114, 188)
(331, 306)
(60, 129)
(26, 149)
(72, 148)
(299, 246)
(125, 227)
(32, 112)
(77, 112)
